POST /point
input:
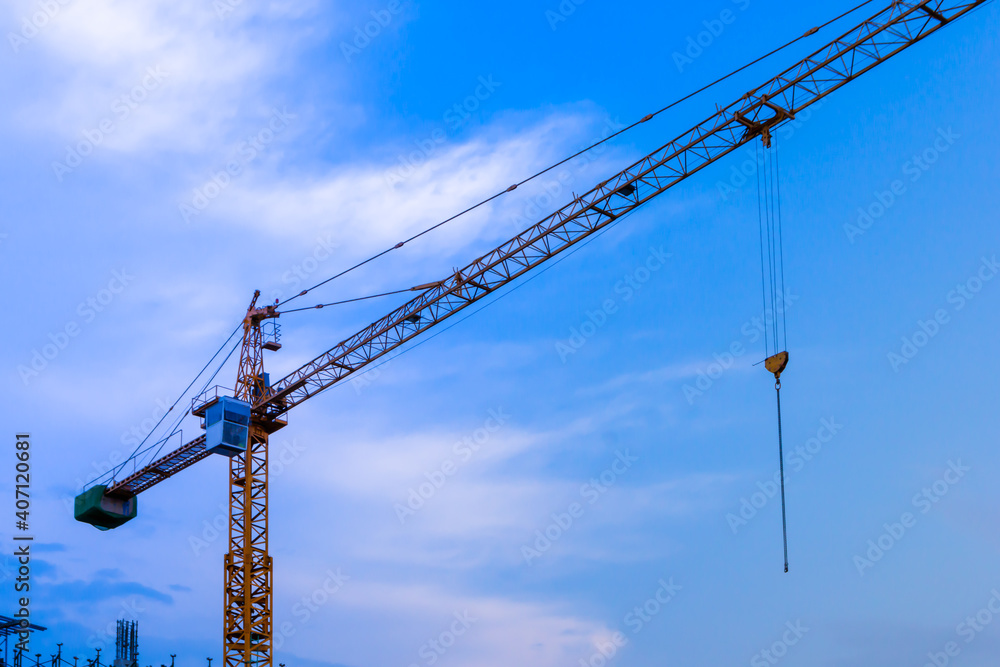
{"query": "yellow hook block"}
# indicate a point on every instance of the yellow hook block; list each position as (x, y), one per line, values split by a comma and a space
(776, 364)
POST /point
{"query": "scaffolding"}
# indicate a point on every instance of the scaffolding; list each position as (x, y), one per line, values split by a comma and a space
(126, 649)
(13, 627)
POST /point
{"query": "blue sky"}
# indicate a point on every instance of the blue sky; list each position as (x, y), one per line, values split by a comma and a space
(149, 252)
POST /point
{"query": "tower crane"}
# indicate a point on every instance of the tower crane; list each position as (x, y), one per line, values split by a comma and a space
(238, 426)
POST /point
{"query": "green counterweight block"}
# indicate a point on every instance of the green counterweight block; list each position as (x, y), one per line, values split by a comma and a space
(104, 512)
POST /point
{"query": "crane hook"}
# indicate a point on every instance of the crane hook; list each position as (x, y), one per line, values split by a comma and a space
(776, 364)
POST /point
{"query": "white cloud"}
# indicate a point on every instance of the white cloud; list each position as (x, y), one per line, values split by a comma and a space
(209, 69)
(493, 500)
(502, 631)
(658, 376)
(372, 207)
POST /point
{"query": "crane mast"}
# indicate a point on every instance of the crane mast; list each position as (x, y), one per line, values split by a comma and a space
(248, 565)
(755, 115)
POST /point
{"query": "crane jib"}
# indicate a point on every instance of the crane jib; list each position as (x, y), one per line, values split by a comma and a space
(248, 604)
(753, 115)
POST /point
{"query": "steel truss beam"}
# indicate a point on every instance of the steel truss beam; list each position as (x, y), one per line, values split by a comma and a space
(756, 114)
(248, 603)
(760, 111)
(249, 567)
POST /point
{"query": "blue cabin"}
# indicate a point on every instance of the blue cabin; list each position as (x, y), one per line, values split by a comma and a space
(227, 425)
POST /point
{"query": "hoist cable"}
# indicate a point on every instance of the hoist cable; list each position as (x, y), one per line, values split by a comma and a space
(760, 224)
(772, 268)
(777, 242)
(773, 250)
(781, 249)
(768, 237)
(180, 418)
(646, 118)
(781, 466)
(114, 471)
(204, 386)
